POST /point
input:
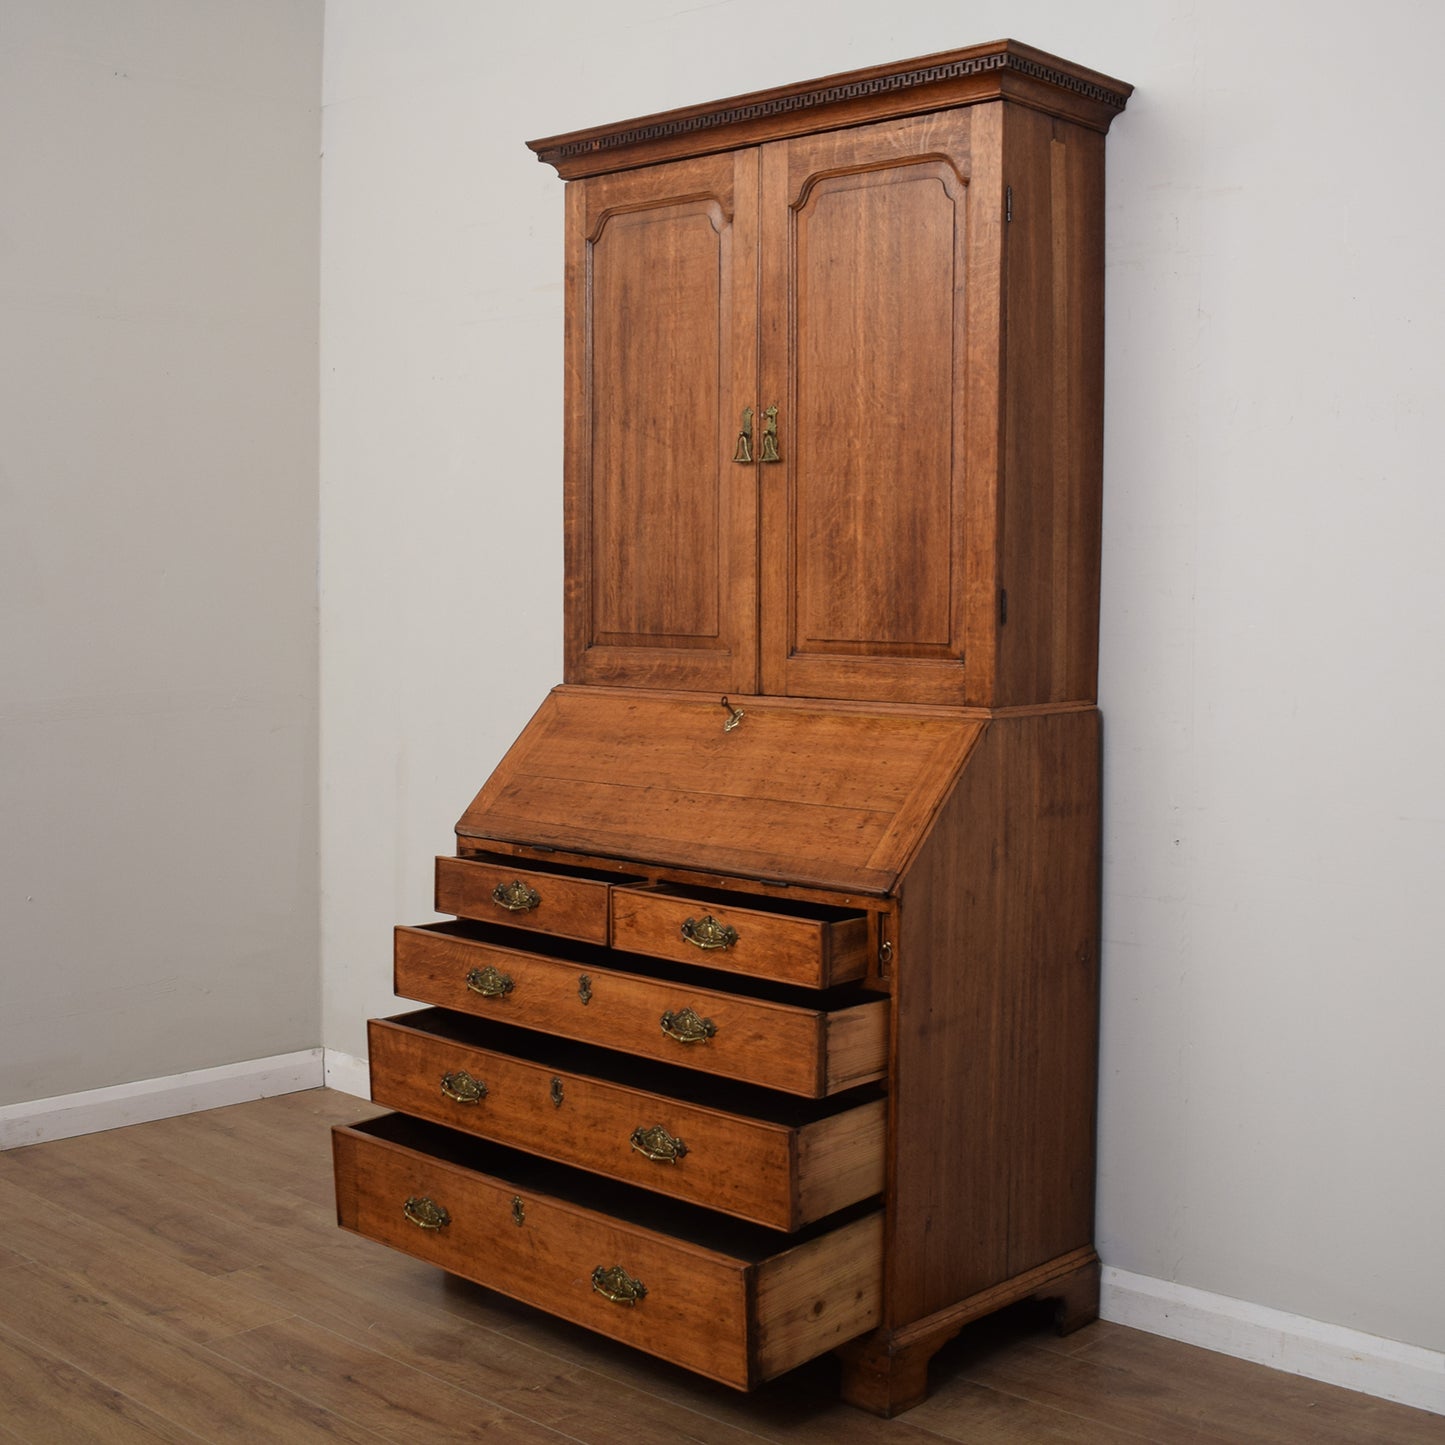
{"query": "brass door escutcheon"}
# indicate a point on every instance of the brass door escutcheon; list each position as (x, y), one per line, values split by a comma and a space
(735, 715)
(519, 1211)
(463, 1088)
(555, 1093)
(516, 896)
(707, 932)
(744, 452)
(426, 1213)
(686, 1027)
(584, 989)
(658, 1145)
(489, 982)
(617, 1285)
(770, 436)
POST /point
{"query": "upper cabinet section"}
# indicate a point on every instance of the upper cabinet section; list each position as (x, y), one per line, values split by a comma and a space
(834, 406)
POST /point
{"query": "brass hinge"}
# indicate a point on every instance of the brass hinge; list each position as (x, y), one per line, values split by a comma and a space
(1008, 203)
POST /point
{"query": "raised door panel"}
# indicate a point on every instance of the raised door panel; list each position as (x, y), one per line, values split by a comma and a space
(866, 327)
(662, 357)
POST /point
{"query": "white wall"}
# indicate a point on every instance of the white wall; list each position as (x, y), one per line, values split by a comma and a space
(159, 216)
(1272, 678)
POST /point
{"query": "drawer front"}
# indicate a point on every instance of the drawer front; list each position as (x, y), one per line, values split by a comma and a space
(521, 898)
(800, 1051)
(814, 952)
(734, 1318)
(774, 1174)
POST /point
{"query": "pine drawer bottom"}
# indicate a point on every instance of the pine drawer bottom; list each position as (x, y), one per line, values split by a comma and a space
(710, 1294)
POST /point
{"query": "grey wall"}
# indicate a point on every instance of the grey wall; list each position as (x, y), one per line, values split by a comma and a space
(1272, 682)
(159, 177)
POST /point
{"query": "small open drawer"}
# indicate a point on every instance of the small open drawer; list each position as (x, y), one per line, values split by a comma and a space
(793, 942)
(711, 1294)
(520, 894)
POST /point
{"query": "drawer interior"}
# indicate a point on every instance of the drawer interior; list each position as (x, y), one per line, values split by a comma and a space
(565, 1056)
(591, 956)
(797, 908)
(512, 864)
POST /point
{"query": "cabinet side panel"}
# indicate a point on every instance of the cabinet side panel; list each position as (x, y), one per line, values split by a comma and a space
(992, 1140)
(1053, 932)
(1053, 410)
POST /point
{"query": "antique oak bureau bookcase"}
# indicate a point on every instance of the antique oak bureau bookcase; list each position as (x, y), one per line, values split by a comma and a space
(767, 1025)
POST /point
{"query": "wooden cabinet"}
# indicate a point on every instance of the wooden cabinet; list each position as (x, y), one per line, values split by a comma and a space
(768, 1021)
(830, 398)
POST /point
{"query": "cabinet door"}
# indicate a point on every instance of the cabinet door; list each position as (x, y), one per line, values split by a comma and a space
(867, 322)
(661, 359)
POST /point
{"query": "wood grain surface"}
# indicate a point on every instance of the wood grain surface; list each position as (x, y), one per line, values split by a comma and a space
(783, 1171)
(833, 797)
(800, 1047)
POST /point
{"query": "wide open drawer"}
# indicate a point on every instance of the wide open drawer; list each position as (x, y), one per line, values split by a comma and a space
(800, 943)
(774, 1037)
(713, 1295)
(761, 1156)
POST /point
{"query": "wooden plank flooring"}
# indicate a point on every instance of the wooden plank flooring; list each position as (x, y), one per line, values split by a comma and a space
(185, 1281)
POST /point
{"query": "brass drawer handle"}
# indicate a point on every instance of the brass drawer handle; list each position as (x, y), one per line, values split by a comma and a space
(658, 1145)
(686, 1027)
(489, 982)
(707, 932)
(426, 1213)
(516, 897)
(463, 1088)
(617, 1285)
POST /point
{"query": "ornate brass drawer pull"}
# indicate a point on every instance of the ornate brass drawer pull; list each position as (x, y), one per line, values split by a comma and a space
(658, 1145)
(426, 1213)
(617, 1285)
(686, 1027)
(463, 1088)
(707, 932)
(516, 896)
(489, 982)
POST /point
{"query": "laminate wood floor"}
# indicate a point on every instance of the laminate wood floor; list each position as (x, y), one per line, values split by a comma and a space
(185, 1280)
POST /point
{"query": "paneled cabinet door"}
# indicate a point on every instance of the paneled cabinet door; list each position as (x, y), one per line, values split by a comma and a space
(780, 376)
(661, 530)
(874, 347)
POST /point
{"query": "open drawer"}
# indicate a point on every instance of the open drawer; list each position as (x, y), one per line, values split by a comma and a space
(570, 904)
(776, 1037)
(774, 1159)
(807, 944)
(708, 1293)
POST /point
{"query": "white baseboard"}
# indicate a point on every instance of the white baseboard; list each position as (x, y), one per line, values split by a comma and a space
(66, 1115)
(1332, 1354)
(348, 1073)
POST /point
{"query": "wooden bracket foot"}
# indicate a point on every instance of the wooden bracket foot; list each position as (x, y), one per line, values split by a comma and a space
(1076, 1298)
(886, 1378)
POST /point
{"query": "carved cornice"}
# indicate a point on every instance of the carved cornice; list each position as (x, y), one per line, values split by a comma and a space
(1005, 60)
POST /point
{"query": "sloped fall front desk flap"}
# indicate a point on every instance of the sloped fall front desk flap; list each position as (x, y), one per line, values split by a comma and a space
(822, 795)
